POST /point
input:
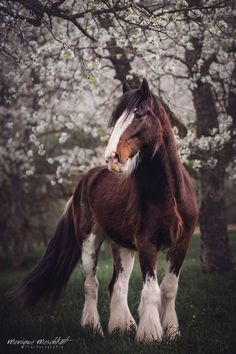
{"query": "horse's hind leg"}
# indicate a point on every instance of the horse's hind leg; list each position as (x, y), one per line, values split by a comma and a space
(90, 249)
(169, 286)
(120, 316)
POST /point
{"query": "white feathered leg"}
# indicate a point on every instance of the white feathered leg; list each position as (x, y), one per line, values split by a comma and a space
(120, 316)
(149, 327)
(169, 288)
(90, 248)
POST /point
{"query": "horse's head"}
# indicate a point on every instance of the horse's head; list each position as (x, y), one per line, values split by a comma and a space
(137, 129)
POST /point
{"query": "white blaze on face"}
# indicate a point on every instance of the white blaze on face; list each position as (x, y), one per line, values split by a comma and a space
(121, 125)
(118, 130)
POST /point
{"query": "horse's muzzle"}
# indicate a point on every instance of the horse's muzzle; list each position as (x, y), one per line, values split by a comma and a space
(115, 164)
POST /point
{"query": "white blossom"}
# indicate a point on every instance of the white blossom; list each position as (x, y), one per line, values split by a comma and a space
(63, 138)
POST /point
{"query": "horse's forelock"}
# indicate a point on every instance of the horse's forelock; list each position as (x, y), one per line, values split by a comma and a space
(130, 101)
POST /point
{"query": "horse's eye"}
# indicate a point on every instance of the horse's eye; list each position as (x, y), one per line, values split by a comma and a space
(138, 114)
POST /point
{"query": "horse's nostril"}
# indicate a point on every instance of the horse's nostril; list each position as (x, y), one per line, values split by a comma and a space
(116, 156)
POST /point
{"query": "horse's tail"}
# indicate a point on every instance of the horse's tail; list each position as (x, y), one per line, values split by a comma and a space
(50, 276)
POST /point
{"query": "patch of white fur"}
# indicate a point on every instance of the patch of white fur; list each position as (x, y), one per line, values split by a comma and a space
(120, 316)
(149, 327)
(131, 164)
(118, 130)
(90, 316)
(169, 287)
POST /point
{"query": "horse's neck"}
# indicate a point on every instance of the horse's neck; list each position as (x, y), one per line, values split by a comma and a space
(150, 178)
(163, 171)
(171, 160)
(174, 173)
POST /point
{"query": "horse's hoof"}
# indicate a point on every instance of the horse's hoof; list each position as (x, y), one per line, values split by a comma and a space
(122, 326)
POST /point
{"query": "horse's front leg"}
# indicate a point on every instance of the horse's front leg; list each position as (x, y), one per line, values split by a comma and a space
(120, 316)
(169, 286)
(149, 327)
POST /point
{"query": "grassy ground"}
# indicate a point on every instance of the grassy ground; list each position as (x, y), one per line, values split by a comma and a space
(206, 307)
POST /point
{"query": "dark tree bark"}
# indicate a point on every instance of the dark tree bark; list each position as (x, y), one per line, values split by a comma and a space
(16, 222)
(122, 67)
(215, 248)
(4, 242)
(4, 217)
(230, 149)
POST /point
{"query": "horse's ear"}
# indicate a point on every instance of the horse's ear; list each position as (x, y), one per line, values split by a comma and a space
(144, 88)
(125, 87)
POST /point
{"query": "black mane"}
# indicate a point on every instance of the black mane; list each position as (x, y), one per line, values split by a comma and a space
(134, 100)
(129, 101)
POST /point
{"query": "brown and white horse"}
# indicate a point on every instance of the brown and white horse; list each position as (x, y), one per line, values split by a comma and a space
(143, 202)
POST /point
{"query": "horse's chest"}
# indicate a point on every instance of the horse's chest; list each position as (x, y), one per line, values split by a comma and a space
(118, 215)
(123, 212)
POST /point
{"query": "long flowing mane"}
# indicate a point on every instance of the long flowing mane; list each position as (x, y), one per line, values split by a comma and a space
(174, 173)
(168, 153)
(173, 168)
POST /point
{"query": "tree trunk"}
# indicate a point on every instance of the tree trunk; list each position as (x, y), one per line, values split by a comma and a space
(4, 242)
(215, 249)
(16, 222)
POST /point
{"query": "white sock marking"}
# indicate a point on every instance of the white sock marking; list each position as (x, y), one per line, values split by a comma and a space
(169, 287)
(90, 315)
(120, 316)
(149, 327)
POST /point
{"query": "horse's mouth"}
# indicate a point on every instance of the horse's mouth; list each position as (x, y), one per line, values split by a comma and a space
(118, 167)
(122, 166)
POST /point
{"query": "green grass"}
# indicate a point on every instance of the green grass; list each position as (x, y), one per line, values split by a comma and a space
(206, 307)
